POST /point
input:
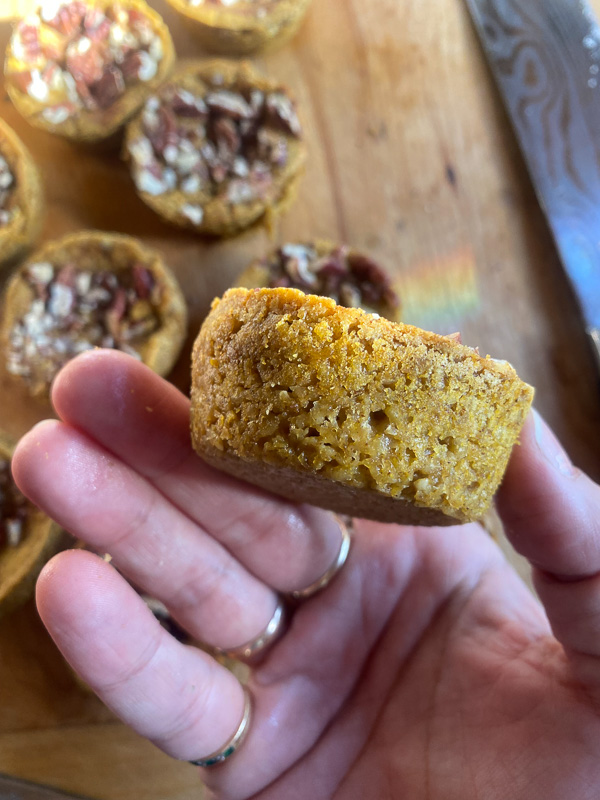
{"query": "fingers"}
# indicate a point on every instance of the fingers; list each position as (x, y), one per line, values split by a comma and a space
(177, 696)
(101, 500)
(552, 516)
(143, 420)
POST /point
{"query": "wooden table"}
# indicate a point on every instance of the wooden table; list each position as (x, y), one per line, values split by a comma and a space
(411, 158)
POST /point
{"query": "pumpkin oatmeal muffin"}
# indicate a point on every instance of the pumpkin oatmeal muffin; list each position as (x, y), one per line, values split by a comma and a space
(346, 275)
(335, 407)
(21, 200)
(217, 149)
(242, 27)
(90, 290)
(28, 538)
(82, 68)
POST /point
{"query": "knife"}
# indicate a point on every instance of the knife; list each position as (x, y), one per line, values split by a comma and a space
(545, 57)
(16, 789)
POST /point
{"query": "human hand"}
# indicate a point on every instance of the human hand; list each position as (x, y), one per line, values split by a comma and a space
(426, 669)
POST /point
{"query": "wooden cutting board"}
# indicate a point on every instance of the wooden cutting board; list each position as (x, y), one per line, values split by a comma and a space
(411, 159)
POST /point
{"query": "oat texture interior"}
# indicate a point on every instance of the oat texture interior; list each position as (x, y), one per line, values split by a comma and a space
(292, 379)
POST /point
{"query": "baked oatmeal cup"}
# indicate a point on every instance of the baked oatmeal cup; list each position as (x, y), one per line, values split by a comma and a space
(242, 27)
(82, 68)
(28, 538)
(348, 276)
(218, 149)
(21, 196)
(89, 290)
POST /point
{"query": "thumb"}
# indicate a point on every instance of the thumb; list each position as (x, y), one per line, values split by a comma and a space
(551, 511)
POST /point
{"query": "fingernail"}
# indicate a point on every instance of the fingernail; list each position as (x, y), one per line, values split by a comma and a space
(551, 449)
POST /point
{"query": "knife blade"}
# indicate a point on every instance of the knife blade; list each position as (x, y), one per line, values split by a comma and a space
(17, 789)
(545, 58)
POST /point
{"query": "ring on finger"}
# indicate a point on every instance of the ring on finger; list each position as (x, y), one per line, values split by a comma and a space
(234, 743)
(256, 647)
(325, 579)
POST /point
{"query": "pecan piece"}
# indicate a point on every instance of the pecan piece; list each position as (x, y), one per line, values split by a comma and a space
(281, 109)
(226, 136)
(185, 104)
(84, 61)
(143, 281)
(68, 18)
(29, 38)
(109, 88)
(164, 131)
(229, 103)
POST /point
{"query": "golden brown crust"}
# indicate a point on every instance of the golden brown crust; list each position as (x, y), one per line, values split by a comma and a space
(90, 127)
(22, 230)
(94, 251)
(407, 420)
(219, 217)
(226, 31)
(256, 276)
(21, 565)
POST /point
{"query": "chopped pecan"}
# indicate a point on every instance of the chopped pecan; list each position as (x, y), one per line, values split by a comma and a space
(164, 131)
(29, 40)
(109, 87)
(226, 136)
(73, 310)
(143, 281)
(67, 19)
(281, 109)
(184, 104)
(229, 103)
(96, 25)
(84, 60)
(7, 192)
(271, 147)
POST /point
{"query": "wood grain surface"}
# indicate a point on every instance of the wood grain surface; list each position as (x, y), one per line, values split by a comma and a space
(411, 158)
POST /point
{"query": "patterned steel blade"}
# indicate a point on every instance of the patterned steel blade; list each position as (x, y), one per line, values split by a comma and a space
(545, 56)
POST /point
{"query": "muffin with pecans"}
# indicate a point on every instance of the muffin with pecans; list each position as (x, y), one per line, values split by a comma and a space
(346, 275)
(242, 27)
(217, 149)
(82, 68)
(21, 199)
(90, 290)
(28, 538)
(349, 411)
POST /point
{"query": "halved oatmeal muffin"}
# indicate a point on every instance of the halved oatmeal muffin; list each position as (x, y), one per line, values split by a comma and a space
(82, 68)
(342, 409)
(21, 198)
(242, 27)
(217, 149)
(90, 290)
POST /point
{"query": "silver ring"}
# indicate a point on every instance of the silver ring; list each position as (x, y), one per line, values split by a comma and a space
(251, 651)
(325, 579)
(234, 743)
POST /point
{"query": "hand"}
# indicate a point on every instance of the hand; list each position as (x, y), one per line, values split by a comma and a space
(425, 670)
